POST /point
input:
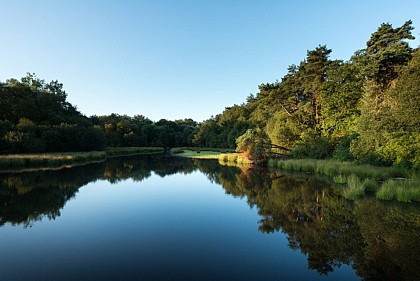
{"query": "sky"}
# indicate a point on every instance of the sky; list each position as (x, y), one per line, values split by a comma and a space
(182, 58)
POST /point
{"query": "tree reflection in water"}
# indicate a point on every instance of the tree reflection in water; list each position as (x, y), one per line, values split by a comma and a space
(379, 240)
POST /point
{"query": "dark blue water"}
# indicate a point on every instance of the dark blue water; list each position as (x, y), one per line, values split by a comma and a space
(147, 219)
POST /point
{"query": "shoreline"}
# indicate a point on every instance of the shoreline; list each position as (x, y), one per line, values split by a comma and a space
(60, 160)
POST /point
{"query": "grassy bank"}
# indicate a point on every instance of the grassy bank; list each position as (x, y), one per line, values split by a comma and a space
(18, 161)
(199, 152)
(387, 183)
(234, 158)
(225, 156)
(14, 161)
(204, 154)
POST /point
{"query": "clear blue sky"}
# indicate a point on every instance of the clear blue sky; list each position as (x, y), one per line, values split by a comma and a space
(181, 58)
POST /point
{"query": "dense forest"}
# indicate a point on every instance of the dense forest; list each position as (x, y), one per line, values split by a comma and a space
(363, 109)
(35, 117)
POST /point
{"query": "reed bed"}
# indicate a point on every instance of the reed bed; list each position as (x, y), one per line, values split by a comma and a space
(18, 161)
(403, 190)
(333, 168)
(355, 188)
(388, 183)
(49, 159)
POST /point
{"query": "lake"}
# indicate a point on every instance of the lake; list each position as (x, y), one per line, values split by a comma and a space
(167, 218)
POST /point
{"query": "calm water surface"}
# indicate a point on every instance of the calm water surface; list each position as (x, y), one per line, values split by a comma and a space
(152, 218)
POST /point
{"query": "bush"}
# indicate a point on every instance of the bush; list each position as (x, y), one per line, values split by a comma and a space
(342, 149)
(313, 146)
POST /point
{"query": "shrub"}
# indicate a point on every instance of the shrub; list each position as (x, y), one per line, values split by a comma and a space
(342, 149)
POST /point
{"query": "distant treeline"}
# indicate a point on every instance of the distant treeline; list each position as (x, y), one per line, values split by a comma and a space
(35, 117)
(365, 109)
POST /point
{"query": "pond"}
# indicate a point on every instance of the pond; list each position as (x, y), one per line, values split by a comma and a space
(163, 218)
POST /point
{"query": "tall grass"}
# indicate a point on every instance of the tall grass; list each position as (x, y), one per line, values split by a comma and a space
(403, 190)
(333, 168)
(49, 159)
(354, 189)
(340, 179)
(360, 178)
(18, 161)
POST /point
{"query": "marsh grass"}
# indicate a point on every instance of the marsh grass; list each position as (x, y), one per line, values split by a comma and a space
(49, 159)
(333, 168)
(354, 189)
(398, 184)
(340, 179)
(18, 161)
(403, 190)
(370, 185)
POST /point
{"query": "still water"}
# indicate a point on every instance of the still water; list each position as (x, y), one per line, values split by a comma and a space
(156, 218)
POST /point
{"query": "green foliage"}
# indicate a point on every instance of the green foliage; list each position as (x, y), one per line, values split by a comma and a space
(387, 51)
(364, 109)
(389, 126)
(342, 148)
(311, 145)
(341, 95)
(35, 117)
(254, 144)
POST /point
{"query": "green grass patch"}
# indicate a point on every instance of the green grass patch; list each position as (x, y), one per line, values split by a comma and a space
(354, 189)
(340, 179)
(370, 185)
(206, 154)
(402, 190)
(398, 184)
(387, 191)
(333, 168)
(18, 161)
(49, 159)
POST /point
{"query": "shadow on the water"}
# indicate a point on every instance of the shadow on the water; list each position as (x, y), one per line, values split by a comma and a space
(381, 241)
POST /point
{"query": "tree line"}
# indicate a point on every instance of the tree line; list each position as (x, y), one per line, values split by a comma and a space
(365, 109)
(36, 117)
